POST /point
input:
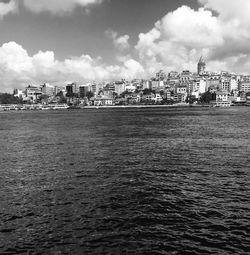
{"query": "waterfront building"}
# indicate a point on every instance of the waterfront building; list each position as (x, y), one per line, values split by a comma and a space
(178, 97)
(32, 94)
(148, 98)
(167, 94)
(73, 101)
(132, 98)
(175, 97)
(103, 101)
(182, 89)
(158, 98)
(182, 97)
(222, 99)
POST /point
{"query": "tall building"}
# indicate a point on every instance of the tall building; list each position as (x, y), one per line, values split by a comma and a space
(57, 90)
(201, 66)
(71, 88)
(83, 89)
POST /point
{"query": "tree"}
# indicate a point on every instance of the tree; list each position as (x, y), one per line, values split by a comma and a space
(190, 99)
(206, 97)
(72, 95)
(6, 98)
(125, 93)
(162, 92)
(148, 91)
(89, 94)
(63, 99)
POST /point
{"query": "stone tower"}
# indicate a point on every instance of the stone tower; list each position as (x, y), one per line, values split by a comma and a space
(201, 66)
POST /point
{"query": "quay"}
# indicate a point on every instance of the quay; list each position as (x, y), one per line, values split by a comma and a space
(24, 107)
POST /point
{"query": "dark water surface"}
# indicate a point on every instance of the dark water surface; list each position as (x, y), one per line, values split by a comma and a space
(125, 181)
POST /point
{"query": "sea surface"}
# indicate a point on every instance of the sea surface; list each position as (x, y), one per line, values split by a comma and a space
(125, 181)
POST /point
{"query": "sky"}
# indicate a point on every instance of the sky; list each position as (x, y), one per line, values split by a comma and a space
(61, 41)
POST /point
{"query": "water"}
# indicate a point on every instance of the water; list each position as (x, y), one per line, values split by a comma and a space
(125, 181)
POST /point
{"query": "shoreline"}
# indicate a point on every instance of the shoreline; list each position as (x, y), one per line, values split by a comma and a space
(4, 108)
(143, 106)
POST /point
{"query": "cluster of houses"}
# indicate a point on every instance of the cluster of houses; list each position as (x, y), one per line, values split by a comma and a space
(171, 88)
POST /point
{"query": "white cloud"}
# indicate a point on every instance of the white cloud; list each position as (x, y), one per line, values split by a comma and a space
(178, 39)
(120, 42)
(58, 6)
(220, 31)
(17, 68)
(229, 10)
(8, 7)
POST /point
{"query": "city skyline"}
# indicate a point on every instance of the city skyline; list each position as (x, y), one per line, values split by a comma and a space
(85, 40)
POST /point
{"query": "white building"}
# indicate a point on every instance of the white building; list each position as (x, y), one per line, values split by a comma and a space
(120, 87)
(222, 99)
(48, 89)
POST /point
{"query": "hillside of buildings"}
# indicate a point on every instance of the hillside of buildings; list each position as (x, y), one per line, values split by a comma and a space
(202, 87)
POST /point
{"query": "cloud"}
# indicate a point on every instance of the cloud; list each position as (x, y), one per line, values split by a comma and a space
(7, 7)
(58, 7)
(219, 30)
(179, 38)
(18, 69)
(120, 42)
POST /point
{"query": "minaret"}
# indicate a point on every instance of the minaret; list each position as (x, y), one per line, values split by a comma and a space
(201, 66)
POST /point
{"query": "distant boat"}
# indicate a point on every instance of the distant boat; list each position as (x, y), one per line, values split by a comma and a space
(60, 106)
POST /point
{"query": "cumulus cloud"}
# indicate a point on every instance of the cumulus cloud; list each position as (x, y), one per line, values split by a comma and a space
(58, 7)
(120, 42)
(179, 38)
(219, 30)
(18, 68)
(7, 7)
